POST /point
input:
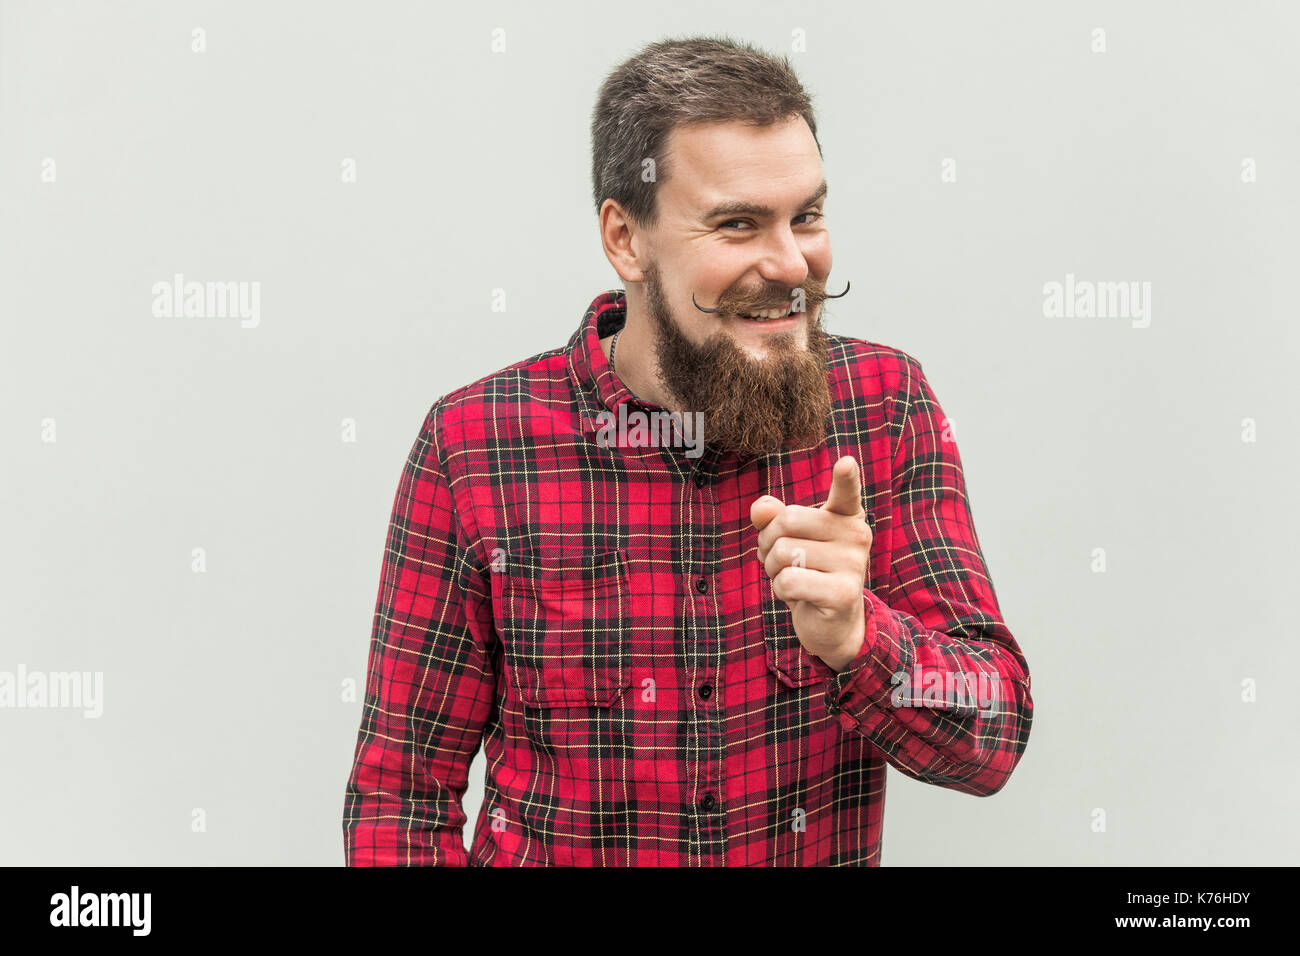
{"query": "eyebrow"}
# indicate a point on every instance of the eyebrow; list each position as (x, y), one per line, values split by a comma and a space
(742, 208)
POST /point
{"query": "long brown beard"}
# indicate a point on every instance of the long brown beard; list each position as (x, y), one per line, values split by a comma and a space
(750, 406)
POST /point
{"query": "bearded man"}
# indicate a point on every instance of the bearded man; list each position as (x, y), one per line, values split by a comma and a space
(703, 651)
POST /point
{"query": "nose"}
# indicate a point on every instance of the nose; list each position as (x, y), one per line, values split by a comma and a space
(783, 261)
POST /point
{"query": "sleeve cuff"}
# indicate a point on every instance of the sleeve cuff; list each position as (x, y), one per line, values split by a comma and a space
(867, 678)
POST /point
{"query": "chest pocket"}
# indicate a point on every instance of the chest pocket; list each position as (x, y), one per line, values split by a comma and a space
(562, 622)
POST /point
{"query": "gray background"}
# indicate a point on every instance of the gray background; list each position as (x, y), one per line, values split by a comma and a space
(223, 690)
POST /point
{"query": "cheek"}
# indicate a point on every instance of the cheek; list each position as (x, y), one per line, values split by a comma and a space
(707, 276)
(723, 268)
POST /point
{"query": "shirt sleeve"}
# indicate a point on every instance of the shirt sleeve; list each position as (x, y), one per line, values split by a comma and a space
(430, 686)
(940, 685)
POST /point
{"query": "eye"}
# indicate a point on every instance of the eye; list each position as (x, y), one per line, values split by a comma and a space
(737, 223)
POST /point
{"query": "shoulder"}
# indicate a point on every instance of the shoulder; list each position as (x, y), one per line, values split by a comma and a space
(870, 372)
(509, 394)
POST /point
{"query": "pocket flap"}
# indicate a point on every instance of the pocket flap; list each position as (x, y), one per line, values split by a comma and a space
(563, 622)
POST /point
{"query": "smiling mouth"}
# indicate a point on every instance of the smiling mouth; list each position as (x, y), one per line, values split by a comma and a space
(767, 315)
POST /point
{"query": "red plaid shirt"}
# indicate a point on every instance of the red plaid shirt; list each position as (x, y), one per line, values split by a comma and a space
(596, 616)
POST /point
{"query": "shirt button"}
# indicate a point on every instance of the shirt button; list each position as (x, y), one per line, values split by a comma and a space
(706, 690)
(707, 803)
(701, 585)
(700, 480)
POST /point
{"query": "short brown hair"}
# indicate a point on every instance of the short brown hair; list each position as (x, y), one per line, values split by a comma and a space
(677, 83)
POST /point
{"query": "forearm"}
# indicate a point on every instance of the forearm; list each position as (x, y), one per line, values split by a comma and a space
(430, 684)
(386, 828)
(946, 709)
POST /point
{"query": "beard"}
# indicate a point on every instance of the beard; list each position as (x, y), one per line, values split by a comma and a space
(750, 406)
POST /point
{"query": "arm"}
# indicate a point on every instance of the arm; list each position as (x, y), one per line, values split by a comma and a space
(939, 620)
(430, 685)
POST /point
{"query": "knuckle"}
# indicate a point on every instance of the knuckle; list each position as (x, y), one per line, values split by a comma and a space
(778, 584)
(852, 594)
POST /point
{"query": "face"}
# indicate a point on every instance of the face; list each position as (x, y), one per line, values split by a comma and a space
(741, 230)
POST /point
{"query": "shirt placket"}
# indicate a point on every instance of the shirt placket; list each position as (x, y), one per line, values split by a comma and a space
(704, 665)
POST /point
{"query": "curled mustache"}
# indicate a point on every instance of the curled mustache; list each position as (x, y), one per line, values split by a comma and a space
(762, 308)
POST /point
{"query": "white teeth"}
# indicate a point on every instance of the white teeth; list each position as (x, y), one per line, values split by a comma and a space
(768, 314)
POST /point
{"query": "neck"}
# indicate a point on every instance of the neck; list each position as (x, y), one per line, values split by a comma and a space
(634, 362)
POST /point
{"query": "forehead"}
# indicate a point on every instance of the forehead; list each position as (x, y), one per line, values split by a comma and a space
(710, 163)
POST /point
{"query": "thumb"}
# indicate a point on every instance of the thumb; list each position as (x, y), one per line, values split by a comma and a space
(762, 511)
(846, 492)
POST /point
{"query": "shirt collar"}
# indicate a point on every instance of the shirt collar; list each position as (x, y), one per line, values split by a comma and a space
(596, 386)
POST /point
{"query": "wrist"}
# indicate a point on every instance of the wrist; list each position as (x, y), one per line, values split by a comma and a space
(847, 652)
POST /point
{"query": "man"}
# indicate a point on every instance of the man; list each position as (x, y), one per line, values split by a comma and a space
(646, 571)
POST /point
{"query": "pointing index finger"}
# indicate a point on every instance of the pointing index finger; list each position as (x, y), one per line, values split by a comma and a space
(846, 490)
